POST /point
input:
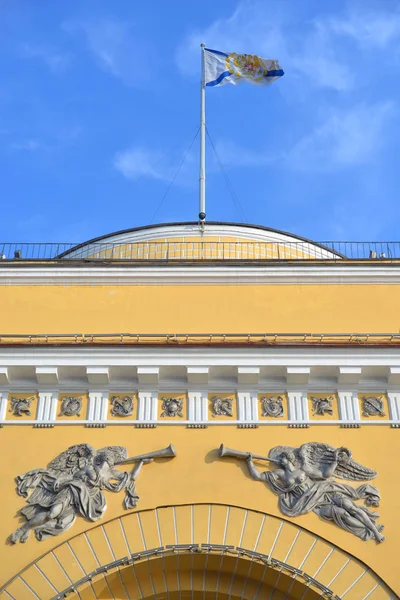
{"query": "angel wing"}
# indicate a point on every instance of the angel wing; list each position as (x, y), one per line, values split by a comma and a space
(318, 458)
(68, 461)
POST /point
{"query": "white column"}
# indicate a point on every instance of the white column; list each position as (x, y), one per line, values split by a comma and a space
(394, 406)
(349, 408)
(247, 406)
(47, 407)
(198, 409)
(97, 408)
(147, 406)
(298, 406)
(3, 406)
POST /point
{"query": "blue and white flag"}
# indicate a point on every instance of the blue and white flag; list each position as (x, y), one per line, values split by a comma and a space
(221, 68)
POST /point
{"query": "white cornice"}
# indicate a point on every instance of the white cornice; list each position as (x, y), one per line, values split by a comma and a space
(141, 356)
(194, 274)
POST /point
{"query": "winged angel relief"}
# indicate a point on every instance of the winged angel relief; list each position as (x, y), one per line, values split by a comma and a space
(304, 480)
(73, 484)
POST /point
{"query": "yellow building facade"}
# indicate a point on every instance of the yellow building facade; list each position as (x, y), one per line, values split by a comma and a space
(125, 364)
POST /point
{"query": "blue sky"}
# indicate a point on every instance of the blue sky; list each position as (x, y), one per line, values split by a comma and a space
(99, 101)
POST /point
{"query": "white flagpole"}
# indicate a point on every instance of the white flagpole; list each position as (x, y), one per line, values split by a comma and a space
(202, 174)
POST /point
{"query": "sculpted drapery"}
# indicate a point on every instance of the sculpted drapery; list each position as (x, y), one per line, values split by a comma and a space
(73, 485)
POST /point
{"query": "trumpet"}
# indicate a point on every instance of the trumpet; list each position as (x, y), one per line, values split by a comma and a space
(168, 452)
(224, 452)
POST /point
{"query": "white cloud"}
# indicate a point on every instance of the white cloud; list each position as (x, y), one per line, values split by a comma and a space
(233, 155)
(28, 145)
(307, 53)
(313, 51)
(139, 162)
(346, 138)
(117, 48)
(56, 61)
(375, 29)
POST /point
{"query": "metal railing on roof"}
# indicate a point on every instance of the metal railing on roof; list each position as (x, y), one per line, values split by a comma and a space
(194, 251)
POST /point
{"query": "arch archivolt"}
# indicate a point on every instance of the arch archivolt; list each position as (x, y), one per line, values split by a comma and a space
(197, 551)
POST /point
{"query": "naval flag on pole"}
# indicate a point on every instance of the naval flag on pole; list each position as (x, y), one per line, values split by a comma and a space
(218, 68)
(221, 68)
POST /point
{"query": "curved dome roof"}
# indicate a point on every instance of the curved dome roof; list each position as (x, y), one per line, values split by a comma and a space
(217, 240)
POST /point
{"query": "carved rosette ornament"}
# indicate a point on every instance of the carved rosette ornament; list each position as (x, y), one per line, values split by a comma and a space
(172, 407)
(304, 479)
(272, 407)
(122, 406)
(222, 406)
(21, 406)
(373, 407)
(71, 406)
(73, 485)
(322, 406)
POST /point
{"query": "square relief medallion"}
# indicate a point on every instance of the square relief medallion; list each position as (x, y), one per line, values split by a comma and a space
(122, 405)
(323, 407)
(22, 407)
(373, 406)
(272, 406)
(222, 407)
(72, 406)
(172, 407)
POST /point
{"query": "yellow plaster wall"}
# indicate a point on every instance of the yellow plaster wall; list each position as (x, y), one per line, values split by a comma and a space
(198, 476)
(199, 309)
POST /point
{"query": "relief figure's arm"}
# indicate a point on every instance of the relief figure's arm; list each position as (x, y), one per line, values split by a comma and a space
(137, 468)
(255, 473)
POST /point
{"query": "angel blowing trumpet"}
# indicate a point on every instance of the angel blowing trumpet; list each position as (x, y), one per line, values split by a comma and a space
(304, 480)
(73, 484)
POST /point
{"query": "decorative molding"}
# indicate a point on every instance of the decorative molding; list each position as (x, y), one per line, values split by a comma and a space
(122, 406)
(272, 406)
(47, 375)
(373, 406)
(349, 409)
(71, 406)
(97, 406)
(394, 405)
(197, 375)
(148, 375)
(4, 378)
(47, 406)
(3, 406)
(21, 407)
(247, 406)
(321, 406)
(301, 273)
(147, 406)
(98, 375)
(172, 407)
(298, 375)
(222, 406)
(298, 406)
(197, 406)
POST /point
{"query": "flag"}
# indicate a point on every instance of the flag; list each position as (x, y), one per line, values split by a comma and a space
(221, 68)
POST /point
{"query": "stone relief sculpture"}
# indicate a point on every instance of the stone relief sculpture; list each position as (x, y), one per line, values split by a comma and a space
(373, 407)
(122, 406)
(71, 406)
(322, 405)
(73, 484)
(272, 407)
(21, 406)
(304, 480)
(222, 406)
(172, 407)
